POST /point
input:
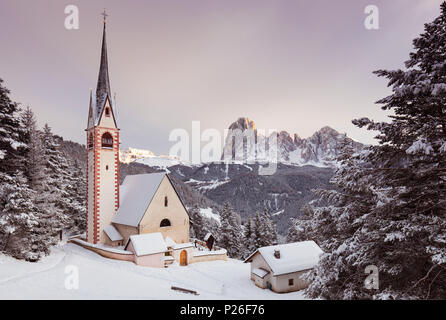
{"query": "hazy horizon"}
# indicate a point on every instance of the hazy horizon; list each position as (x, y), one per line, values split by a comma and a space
(289, 65)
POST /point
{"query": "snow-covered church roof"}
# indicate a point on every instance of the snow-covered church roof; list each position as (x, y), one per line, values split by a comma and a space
(113, 233)
(296, 256)
(136, 193)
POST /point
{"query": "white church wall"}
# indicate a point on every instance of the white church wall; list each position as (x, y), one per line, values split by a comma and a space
(175, 212)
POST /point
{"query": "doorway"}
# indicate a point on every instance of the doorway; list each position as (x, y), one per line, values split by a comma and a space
(183, 258)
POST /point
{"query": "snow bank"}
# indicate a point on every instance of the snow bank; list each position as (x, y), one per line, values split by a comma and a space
(102, 247)
(102, 278)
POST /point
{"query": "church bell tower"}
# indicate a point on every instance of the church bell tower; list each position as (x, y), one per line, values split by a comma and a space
(102, 154)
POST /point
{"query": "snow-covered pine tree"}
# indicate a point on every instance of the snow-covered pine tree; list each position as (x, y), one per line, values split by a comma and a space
(11, 134)
(269, 229)
(264, 232)
(197, 222)
(302, 227)
(390, 211)
(53, 194)
(248, 240)
(230, 232)
(76, 206)
(34, 152)
(19, 218)
(298, 230)
(23, 228)
(257, 231)
(342, 227)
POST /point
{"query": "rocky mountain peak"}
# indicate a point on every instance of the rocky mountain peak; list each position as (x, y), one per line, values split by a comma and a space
(320, 149)
(243, 124)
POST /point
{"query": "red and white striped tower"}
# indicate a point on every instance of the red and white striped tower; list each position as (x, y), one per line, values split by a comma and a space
(102, 155)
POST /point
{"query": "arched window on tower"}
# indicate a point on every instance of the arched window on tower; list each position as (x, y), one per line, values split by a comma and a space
(165, 223)
(90, 141)
(107, 140)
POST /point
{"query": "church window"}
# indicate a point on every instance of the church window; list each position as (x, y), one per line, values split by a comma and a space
(107, 140)
(90, 141)
(166, 201)
(107, 112)
(106, 167)
(165, 223)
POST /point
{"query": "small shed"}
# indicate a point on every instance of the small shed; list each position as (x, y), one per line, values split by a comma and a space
(114, 236)
(149, 249)
(280, 267)
(210, 240)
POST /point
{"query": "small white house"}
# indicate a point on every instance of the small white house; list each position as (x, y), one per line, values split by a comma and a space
(149, 249)
(279, 267)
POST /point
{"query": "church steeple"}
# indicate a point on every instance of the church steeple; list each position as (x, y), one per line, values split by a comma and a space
(102, 156)
(103, 88)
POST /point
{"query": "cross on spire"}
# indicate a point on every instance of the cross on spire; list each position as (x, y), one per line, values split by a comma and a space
(105, 15)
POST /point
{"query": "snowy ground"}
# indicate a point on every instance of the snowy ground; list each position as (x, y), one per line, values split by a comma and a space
(101, 278)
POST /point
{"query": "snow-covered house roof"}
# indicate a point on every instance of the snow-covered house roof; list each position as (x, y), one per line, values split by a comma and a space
(296, 256)
(148, 243)
(136, 193)
(113, 233)
(260, 272)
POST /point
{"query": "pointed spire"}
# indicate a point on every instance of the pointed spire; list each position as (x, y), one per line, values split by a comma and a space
(103, 87)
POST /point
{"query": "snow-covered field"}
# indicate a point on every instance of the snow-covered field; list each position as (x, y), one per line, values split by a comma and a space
(101, 278)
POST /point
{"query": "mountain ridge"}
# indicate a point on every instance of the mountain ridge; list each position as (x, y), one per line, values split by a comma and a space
(246, 143)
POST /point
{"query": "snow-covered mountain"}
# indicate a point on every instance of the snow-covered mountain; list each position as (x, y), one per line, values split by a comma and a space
(131, 154)
(149, 158)
(319, 150)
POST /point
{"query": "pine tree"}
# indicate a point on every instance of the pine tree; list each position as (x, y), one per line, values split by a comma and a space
(301, 227)
(197, 223)
(75, 209)
(230, 232)
(53, 195)
(257, 232)
(34, 169)
(264, 230)
(390, 209)
(269, 229)
(23, 227)
(248, 241)
(11, 134)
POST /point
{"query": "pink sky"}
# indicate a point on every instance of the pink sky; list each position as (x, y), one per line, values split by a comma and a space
(293, 65)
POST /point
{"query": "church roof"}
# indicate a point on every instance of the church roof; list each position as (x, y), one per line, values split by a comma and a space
(103, 87)
(113, 233)
(136, 193)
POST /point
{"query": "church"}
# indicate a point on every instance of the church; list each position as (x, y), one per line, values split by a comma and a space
(143, 220)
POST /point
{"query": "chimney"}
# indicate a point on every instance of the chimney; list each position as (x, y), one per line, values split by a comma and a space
(277, 254)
